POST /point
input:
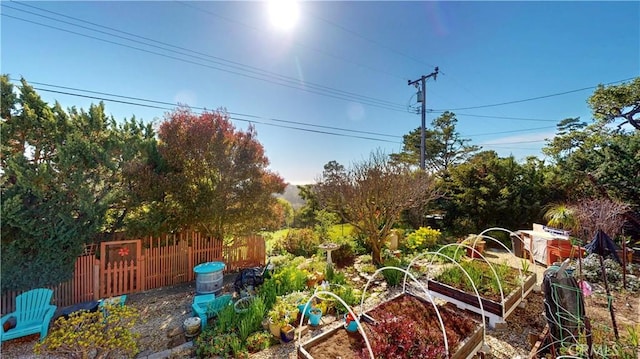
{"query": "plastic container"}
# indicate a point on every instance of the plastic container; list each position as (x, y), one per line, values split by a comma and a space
(209, 277)
(315, 315)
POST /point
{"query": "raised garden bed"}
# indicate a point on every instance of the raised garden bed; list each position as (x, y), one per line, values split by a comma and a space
(495, 308)
(405, 326)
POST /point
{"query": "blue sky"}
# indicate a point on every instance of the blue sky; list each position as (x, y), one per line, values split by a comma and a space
(343, 65)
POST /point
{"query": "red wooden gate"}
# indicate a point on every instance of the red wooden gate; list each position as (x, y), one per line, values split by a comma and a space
(121, 269)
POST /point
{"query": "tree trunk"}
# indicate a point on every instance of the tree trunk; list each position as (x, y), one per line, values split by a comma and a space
(376, 252)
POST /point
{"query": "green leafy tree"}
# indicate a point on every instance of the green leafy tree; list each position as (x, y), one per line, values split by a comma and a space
(306, 215)
(443, 145)
(593, 158)
(61, 177)
(216, 178)
(616, 102)
(325, 221)
(372, 194)
(489, 190)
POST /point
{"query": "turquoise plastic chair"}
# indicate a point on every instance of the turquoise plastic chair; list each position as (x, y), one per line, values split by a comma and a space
(33, 314)
(111, 302)
(208, 303)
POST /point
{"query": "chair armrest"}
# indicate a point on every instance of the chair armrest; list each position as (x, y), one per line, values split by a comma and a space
(4, 320)
(51, 311)
(6, 317)
(204, 298)
(198, 309)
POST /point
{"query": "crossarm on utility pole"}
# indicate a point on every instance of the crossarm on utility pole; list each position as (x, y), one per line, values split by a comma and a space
(423, 83)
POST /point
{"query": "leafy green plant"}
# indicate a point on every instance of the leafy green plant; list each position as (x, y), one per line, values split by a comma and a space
(525, 266)
(329, 272)
(260, 341)
(339, 278)
(421, 239)
(392, 276)
(93, 335)
(366, 258)
(368, 268)
(227, 319)
(296, 298)
(482, 277)
(350, 296)
(283, 312)
(211, 344)
(245, 328)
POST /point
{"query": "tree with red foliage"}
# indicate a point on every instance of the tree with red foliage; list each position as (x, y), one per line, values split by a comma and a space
(217, 180)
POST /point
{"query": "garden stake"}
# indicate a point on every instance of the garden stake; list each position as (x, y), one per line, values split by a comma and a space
(609, 298)
(624, 262)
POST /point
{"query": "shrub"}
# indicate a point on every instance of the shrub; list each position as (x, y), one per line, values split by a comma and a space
(301, 242)
(345, 255)
(421, 239)
(92, 335)
(211, 344)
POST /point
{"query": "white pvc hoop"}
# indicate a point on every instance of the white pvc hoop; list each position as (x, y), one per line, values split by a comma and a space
(475, 251)
(475, 289)
(424, 289)
(353, 314)
(504, 230)
(510, 252)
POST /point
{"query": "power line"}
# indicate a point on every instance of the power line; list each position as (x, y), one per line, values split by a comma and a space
(127, 100)
(233, 118)
(200, 108)
(288, 81)
(498, 117)
(297, 43)
(510, 143)
(532, 98)
(511, 131)
(334, 93)
(219, 60)
(347, 30)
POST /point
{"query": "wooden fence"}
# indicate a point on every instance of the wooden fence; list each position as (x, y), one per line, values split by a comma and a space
(135, 265)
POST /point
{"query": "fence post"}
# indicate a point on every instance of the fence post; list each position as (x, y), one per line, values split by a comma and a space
(190, 265)
(141, 274)
(96, 280)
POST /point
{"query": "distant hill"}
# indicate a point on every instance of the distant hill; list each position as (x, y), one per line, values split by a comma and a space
(291, 194)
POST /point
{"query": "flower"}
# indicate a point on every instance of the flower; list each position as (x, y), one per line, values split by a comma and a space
(123, 252)
(349, 318)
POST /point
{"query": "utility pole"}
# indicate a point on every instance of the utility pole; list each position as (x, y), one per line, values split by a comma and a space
(423, 99)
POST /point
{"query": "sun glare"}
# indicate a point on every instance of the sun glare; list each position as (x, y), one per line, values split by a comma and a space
(283, 13)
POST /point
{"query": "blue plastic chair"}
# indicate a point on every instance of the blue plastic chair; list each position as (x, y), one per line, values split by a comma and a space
(208, 303)
(33, 314)
(111, 302)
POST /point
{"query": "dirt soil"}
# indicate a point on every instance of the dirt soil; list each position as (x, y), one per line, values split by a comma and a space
(336, 345)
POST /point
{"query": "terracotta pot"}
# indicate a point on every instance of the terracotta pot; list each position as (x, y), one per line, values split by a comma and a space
(311, 283)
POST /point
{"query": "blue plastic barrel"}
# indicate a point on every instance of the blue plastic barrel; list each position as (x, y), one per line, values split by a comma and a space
(209, 277)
